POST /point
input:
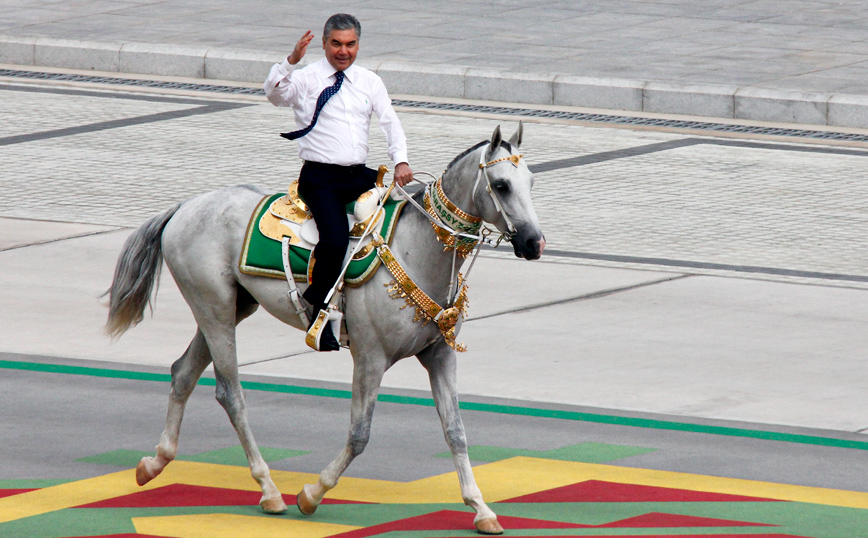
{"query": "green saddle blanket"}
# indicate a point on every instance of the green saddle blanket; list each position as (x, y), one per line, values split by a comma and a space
(262, 255)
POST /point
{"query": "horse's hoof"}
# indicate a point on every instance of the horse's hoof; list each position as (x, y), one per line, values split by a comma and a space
(305, 503)
(275, 505)
(143, 474)
(488, 525)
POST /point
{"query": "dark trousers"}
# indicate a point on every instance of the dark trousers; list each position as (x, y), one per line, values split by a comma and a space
(327, 189)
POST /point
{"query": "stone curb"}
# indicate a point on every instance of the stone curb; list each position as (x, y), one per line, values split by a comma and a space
(717, 101)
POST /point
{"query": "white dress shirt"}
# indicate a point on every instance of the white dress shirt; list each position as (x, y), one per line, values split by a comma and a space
(341, 132)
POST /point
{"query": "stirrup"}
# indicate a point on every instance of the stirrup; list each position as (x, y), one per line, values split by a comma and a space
(329, 315)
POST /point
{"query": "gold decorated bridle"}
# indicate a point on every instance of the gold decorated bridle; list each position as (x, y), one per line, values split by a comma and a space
(483, 172)
(460, 232)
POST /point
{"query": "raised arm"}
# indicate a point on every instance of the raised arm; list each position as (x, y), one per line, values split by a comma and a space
(279, 87)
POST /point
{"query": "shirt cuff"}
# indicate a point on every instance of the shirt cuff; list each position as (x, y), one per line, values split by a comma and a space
(400, 157)
(285, 67)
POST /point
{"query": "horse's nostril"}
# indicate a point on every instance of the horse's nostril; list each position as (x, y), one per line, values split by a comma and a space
(530, 243)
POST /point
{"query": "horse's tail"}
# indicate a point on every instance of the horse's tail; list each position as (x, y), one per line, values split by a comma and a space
(136, 273)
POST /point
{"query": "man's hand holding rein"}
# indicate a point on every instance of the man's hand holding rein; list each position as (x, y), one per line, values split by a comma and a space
(403, 174)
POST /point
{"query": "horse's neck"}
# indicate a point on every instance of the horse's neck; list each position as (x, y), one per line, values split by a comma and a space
(459, 181)
(424, 257)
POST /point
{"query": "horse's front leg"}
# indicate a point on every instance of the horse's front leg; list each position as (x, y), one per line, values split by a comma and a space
(367, 375)
(440, 362)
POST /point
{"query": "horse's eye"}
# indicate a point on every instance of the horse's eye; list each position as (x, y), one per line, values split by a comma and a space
(502, 187)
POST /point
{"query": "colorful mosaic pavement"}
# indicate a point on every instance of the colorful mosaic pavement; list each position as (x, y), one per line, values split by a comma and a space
(550, 494)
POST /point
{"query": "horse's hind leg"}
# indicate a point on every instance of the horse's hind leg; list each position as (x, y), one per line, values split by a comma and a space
(220, 335)
(185, 374)
(439, 360)
(367, 376)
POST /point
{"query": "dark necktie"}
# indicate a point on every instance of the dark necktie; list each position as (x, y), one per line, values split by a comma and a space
(320, 102)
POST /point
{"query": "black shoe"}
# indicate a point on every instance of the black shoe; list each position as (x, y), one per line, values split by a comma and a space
(327, 340)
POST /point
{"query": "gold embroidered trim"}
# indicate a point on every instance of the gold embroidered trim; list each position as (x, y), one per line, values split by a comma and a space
(427, 309)
(452, 207)
(440, 207)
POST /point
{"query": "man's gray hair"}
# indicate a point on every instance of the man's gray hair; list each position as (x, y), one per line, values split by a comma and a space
(341, 21)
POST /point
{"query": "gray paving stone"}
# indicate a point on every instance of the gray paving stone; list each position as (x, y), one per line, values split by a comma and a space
(848, 110)
(412, 79)
(239, 65)
(17, 50)
(75, 54)
(616, 94)
(169, 60)
(779, 106)
(698, 99)
(500, 86)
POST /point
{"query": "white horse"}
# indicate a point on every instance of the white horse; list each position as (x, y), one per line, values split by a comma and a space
(201, 239)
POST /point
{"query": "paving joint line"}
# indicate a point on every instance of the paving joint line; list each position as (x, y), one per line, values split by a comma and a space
(179, 99)
(115, 124)
(656, 147)
(585, 297)
(59, 239)
(708, 265)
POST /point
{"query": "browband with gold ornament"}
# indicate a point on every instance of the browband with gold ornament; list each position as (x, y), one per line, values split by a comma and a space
(512, 158)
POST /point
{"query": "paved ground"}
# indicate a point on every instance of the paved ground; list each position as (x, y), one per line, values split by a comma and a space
(802, 62)
(687, 357)
(705, 292)
(809, 45)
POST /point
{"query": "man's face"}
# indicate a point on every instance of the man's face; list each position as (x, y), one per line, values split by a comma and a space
(341, 47)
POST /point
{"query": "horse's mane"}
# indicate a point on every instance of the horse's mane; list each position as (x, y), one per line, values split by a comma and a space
(503, 143)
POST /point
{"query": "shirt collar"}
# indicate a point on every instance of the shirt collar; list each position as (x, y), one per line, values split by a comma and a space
(350, 73)
(329, 71)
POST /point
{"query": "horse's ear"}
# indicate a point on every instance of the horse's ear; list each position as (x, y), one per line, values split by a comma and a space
(515, 139)
(496, 139)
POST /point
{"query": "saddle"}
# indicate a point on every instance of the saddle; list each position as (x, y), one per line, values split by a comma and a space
(282, 234)
(284, 215)
(288, 216)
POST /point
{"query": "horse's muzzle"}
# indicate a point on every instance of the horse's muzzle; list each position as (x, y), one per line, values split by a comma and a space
(529, 246)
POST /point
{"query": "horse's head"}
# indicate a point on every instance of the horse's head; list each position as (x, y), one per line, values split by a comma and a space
(501, 194)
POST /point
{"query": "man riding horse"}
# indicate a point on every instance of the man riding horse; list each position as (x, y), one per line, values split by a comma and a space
(333, 101)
